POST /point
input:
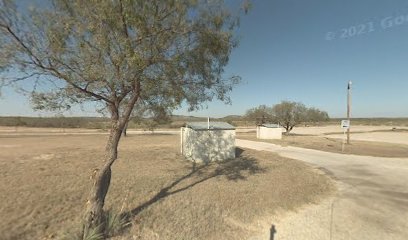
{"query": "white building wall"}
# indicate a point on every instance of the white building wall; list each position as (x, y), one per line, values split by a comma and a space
(207, 145)
(268, 133)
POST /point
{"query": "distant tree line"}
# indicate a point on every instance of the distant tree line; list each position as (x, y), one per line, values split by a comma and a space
(146, 123)
(54, 122)
(287, 114)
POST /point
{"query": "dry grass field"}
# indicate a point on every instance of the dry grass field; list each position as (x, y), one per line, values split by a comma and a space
(45, 181)
(329, 144)
(399, 136)
(336, 129)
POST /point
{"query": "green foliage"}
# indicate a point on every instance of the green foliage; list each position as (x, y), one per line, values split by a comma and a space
(119, 53)
(260, 114)
(92, 234)
(150, 116)
(160, 52)
(55, 122)
(115, 223)
(20, 122)
(288, 114)
(315, 115)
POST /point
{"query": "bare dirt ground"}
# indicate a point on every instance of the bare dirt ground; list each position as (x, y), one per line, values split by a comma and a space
(45, 182)
(372, 201)
(400, 137)
(328, 144)
(337, 129)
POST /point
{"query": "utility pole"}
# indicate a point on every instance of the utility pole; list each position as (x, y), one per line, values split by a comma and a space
(348, 109)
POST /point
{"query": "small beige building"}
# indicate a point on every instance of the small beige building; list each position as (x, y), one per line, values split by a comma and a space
(207, 142)
(268, 131)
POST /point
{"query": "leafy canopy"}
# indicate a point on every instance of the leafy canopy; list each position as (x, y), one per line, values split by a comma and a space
(288, 114)
(261, 114)
(119, 52)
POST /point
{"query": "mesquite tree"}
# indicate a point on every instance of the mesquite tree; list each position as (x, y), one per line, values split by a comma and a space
(117, 53)
(289, 114)
(315, 115)
(261, 114)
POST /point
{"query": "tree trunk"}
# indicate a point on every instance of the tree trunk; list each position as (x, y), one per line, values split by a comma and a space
(286, 126)
(94, 215)
(289, 129)
(124, 129)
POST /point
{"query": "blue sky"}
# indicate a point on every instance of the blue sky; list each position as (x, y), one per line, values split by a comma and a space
(307, 51)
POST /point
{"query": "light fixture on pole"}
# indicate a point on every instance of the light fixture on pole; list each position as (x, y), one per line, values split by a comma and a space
(348, 109)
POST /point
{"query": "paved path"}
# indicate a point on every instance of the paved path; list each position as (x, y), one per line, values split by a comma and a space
(372, 202)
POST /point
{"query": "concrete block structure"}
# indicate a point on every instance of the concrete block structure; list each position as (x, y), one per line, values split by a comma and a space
(268, 131)
(207, 142)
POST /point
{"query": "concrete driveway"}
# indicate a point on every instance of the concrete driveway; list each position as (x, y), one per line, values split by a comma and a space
(372, 201)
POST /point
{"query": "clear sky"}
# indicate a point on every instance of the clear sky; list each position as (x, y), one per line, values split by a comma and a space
(307, 51)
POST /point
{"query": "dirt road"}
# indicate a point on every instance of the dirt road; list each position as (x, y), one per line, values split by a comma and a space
(372, 202)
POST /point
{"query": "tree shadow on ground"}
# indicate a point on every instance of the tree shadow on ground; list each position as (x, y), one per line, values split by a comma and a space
(272, 232)
(234, 170)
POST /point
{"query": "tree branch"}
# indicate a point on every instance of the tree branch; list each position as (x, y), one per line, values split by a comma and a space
(131, 104)
(37, 62)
